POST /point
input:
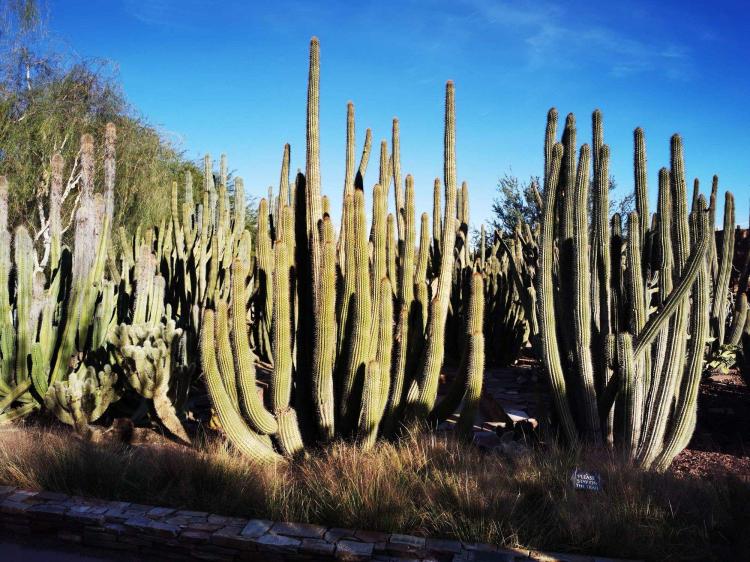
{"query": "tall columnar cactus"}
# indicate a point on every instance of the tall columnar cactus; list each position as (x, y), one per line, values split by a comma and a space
(626, 351)
(52, 319)
(509, 269)
(729, 291)
(357, 324)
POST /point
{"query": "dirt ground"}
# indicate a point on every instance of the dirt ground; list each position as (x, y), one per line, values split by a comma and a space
(721, 442)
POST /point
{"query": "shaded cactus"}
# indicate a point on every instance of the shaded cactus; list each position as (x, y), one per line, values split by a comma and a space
(620, 357)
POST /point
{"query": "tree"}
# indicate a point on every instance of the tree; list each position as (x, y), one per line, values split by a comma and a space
(516, 201)
(48, 101)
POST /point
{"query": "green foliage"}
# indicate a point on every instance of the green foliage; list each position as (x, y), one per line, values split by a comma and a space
(47, 102)
(515, 202)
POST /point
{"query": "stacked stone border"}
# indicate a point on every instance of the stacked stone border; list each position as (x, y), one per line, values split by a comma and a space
(163, 533)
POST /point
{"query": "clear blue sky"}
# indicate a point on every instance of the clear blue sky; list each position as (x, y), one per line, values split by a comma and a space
(231, 77)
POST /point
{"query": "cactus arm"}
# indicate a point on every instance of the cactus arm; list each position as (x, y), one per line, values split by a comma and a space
(397, 186)
(289, 436)
(738, 322)
(684, 417)
(325, 340)
(640, 167)
(384, 352)
(241, 436)
(24, 282)
(581, 303)
(251, 405)
(435, 350)
(475, 359)
(549, 346)
(359, 348)
(719, 308)
(368, 417)
(630, 391)
(224, 352)
(550, 135)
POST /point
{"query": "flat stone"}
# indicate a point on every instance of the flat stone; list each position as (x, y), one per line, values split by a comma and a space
(21, 496)
(163, 529)
(85, 517)
(303, 530)
(139, 507)
(159, 512)
(47, 511)
(279, 543)
(14, 507)
(117, 504)
(443, 545)
(516, 415)
(140, 524)
(317, 546)
(179, 520)
(133, 513)
(116, 514)
(195, 536)
(255, 528)
(408, 540)
(230, 537)
(353, 550)
(204, 527)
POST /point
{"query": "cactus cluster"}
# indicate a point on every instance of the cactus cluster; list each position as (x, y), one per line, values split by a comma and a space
(50, 319)
(354, 323)
(729, 294)
(509, 268)
(623, 312)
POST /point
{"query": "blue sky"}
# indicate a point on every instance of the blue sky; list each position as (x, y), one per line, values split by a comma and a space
(231, 77)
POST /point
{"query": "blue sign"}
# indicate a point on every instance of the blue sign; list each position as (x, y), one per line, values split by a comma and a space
(583, 480)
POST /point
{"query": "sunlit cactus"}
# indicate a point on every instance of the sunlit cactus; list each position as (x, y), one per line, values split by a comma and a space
(609, 352)
(357, 325)
(83, 397)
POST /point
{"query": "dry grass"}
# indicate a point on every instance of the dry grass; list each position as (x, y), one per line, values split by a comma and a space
(424, 485)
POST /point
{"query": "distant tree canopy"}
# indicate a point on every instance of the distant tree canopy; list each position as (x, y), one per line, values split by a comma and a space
(47, 102)
(516, 202)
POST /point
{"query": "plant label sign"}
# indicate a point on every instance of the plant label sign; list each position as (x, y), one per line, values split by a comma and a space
(583, 480)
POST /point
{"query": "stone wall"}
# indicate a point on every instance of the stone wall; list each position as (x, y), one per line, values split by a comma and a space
(161, 533)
